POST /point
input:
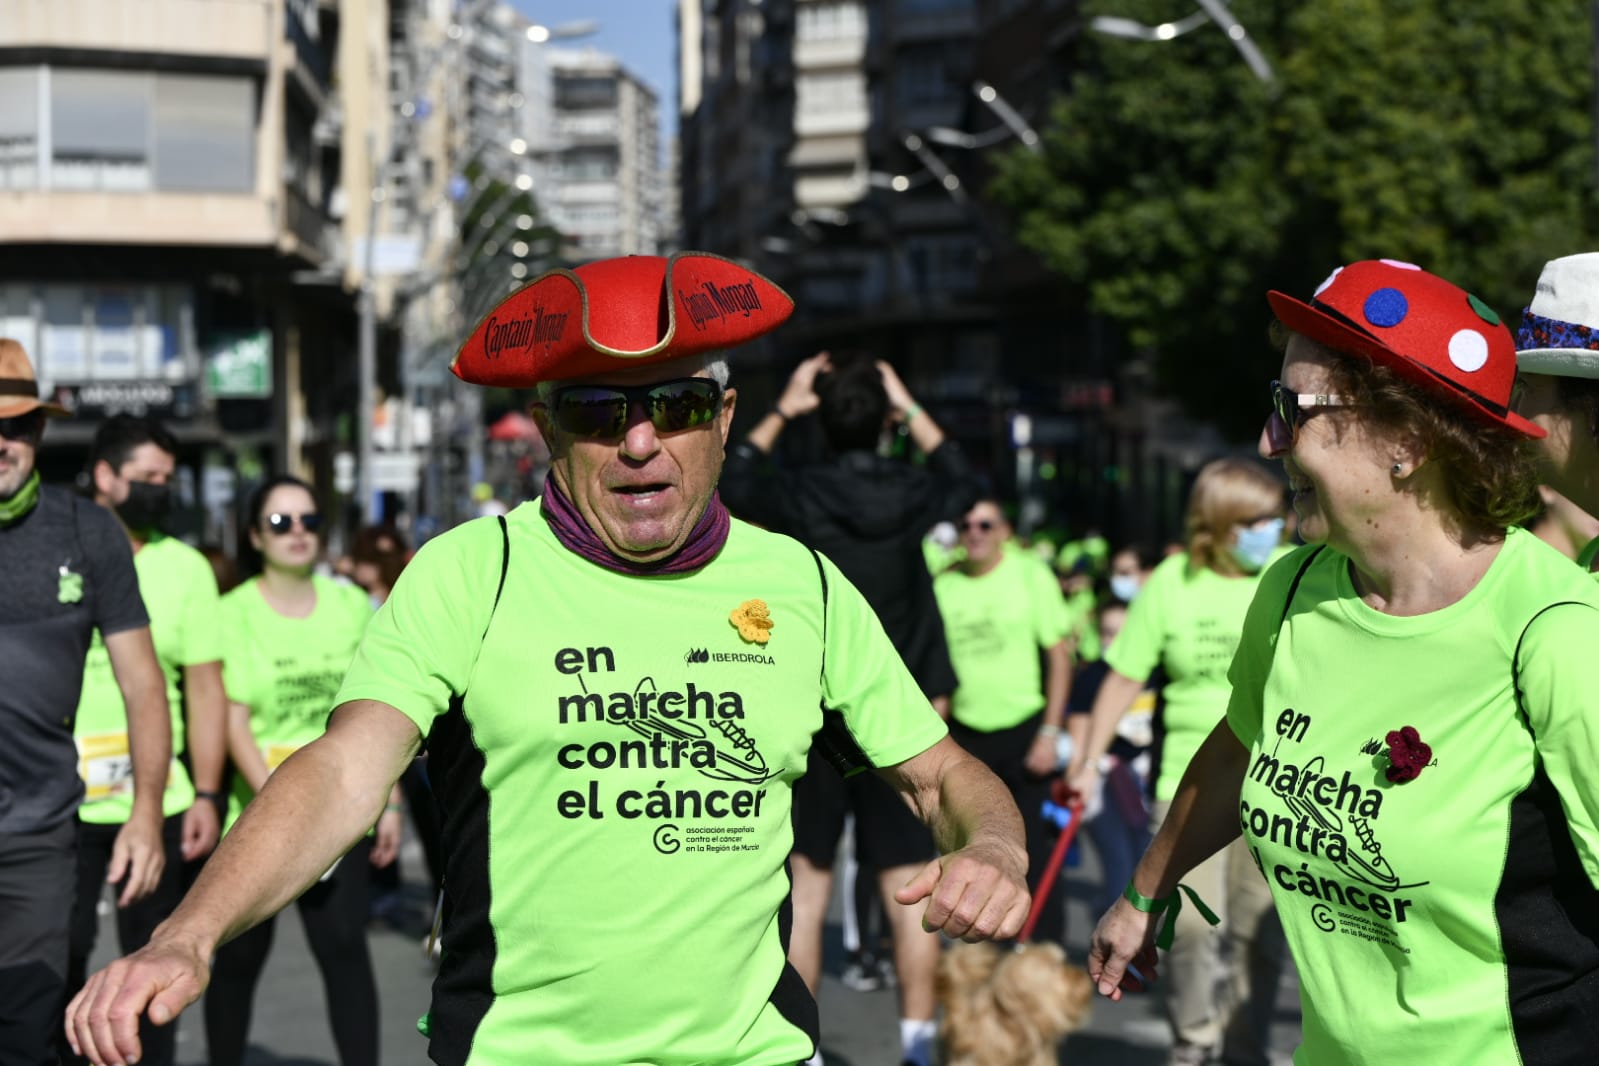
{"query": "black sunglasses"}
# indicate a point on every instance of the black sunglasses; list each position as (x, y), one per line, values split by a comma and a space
(283, 523)
(984, 525)
(22, 427)
(1294, 407)
(600, 412)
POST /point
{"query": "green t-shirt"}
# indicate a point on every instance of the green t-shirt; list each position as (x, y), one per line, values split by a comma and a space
(1080, 612)
(287, 670)
(1448, 918)
(180, 592)
(1187, 621)
(614, 756)
(996, 624)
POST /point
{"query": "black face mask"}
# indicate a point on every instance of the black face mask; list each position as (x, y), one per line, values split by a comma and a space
(146, 506)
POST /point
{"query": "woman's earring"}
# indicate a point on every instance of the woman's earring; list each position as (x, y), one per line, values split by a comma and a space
(1399, 468)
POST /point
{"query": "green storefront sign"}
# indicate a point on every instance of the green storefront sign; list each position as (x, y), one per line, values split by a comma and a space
(239, 365)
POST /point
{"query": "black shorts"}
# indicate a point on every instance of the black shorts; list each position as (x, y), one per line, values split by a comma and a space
(887, 833)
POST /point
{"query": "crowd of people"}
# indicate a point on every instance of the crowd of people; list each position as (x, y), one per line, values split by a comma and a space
(1339, 726)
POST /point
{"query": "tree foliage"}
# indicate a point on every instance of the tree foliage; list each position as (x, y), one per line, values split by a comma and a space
(1175, 188)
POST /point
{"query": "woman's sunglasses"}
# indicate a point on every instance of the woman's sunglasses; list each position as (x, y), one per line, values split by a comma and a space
(599, 412)
(281, 524)
(1294, 407)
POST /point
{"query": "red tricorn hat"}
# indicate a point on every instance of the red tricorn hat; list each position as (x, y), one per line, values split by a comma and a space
(1432, 332)
(616, 314)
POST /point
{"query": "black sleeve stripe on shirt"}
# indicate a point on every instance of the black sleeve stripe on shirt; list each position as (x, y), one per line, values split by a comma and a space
(821, 572)
(463, 991)
(505, 566)
(1515, 658)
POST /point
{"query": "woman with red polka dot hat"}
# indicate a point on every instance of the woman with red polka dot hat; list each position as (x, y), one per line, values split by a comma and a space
(1407, 748)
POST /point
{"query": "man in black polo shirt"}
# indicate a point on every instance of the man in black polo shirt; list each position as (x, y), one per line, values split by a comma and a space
(66, 569)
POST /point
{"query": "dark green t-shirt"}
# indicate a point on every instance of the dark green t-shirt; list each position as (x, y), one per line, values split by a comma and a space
(614, 756)
(1450, 918)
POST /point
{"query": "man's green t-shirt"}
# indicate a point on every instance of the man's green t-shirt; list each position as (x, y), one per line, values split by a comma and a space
(287, 670)
(180, 592)
(1448, 918)
(614, 755)
(996, 624)
(1186, 620)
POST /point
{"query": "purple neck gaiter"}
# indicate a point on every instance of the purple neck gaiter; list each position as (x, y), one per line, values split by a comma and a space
(704, 541)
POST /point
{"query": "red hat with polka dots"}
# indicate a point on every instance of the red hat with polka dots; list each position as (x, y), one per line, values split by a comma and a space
(1432, 332)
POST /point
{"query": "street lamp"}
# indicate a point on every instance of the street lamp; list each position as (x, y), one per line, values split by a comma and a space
(543, 34)
(1007, 114)
(1211, 11)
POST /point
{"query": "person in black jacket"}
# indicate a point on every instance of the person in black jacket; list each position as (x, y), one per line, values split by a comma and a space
(868, 514)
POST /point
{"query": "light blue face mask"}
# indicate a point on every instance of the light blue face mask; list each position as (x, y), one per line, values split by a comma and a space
(1124, 586)
(1256, 543)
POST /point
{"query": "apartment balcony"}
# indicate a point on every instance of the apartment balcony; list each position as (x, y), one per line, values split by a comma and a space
(237, 32)
(825, 52)
(832, 122)
(106, 216)
(307, 232)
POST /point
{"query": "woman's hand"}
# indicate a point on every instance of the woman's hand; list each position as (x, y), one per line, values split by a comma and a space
(1042, 758)
(1121, 953)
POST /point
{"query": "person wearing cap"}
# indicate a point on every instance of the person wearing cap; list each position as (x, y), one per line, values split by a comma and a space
(618, 685)
(68, 572)
(131, 465)
(1408, 749)
(1557, 356)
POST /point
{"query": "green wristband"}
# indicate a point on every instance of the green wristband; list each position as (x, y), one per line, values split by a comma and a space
(912, 411)
(1174, 902)
(1143, 902)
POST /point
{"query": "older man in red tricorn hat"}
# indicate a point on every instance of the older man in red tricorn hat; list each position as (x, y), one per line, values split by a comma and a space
(618, 685)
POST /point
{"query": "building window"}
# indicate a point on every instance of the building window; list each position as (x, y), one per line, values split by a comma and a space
(100, 130)
(204, 133)
(830, 20)
(942, 264)
(829, 93)
(127, 131)
(79, 333)
(922, 76)
(19, 128)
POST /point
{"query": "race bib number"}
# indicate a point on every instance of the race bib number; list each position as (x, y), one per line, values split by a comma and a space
(105, 765)
(277, 754)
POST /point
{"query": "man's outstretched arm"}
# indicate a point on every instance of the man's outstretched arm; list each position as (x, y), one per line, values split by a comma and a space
(312, 810)
(977, 888)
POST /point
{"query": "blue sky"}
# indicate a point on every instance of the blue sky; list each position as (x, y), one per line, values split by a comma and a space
(641, 33)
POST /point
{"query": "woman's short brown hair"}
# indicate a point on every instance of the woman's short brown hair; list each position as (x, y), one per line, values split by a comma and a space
(1490, 471)
(1228, 492)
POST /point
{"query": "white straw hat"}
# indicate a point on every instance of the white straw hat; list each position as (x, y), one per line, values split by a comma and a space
(1559, 331)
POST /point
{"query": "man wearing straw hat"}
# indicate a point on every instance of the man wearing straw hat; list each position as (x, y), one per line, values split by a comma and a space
(67, 570)
(618, 686)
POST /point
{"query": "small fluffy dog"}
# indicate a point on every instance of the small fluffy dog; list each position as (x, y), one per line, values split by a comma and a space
(1009, 1007)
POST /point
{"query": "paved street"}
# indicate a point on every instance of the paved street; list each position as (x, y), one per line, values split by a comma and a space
(859, 1029)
